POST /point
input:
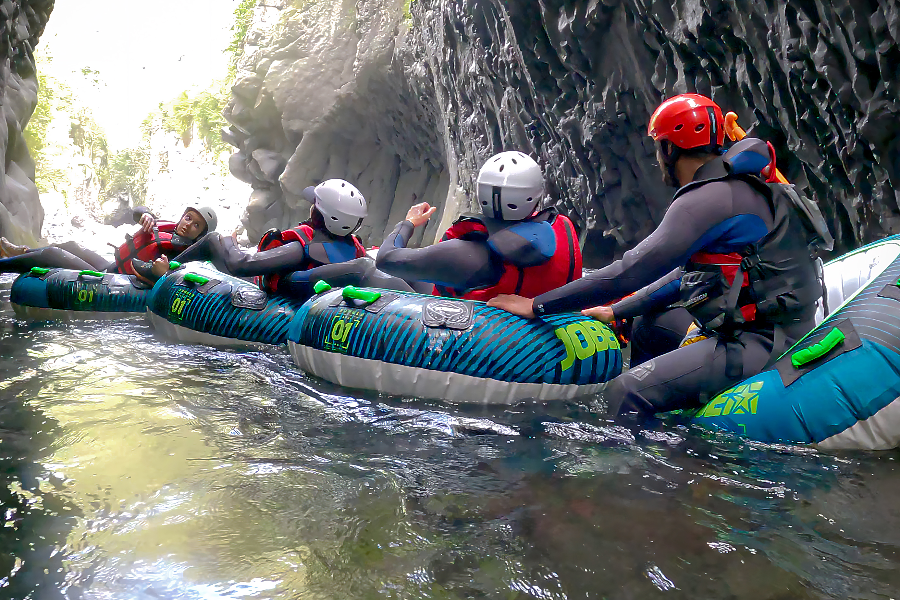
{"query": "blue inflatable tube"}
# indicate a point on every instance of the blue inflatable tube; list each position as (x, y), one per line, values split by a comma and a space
(407, 344)
(839, 387)
(197, 304)
(64, 294)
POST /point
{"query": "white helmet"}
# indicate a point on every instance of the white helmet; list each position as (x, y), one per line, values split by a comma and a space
(510, 185)
(342, 206)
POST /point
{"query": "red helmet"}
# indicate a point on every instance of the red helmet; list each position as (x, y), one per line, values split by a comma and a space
(688, 121)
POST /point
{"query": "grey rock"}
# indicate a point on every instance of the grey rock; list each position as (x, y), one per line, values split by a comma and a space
(351, 89)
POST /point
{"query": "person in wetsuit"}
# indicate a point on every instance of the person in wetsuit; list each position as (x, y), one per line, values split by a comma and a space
(155, 239)
(720, 229)
(508, 249)
(291, 262)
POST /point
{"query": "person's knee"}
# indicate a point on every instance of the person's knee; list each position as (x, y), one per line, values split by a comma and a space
(623, 395)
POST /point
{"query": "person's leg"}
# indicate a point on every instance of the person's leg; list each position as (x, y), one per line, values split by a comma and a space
(685, 377)
(360, 272)
(655, 334)
(228, 258)
(96, 261)
(49, 257)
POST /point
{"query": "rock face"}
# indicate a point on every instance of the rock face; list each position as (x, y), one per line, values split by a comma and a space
(21, 24)
(322, 92)
(401, 106)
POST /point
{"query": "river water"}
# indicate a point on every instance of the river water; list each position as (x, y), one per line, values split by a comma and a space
(135, 468)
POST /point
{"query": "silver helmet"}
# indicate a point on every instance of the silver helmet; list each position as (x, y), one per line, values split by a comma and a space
(342, 206)
(510, 186)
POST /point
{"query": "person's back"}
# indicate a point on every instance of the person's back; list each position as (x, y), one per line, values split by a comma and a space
(508, 249)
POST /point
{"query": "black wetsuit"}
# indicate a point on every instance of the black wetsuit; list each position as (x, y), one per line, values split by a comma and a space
(452, 263)
(67, 255)
(718, 217)
(290, 259)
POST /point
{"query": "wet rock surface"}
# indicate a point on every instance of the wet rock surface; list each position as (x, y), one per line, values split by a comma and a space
(403, 106)
(21, 25)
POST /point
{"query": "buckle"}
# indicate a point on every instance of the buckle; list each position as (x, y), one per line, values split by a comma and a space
(749, 262)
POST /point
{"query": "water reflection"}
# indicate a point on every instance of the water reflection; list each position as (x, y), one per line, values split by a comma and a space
(136, 468)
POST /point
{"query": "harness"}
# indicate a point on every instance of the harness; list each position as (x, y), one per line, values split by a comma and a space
(766, 285)
(148, 246)
(320, 248)
(537, 254)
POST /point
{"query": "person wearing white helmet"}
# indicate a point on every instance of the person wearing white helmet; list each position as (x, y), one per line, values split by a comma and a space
(290, 262)
(512, 247)
(155, 240)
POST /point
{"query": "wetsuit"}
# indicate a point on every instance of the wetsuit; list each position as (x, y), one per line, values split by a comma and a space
(70, 255)
(299, 266)
(714, 216)
(480, 258)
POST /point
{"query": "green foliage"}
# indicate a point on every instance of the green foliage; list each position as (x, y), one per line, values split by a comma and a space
(406, 14)
(243, 16)
(201, 113)
(127, 173)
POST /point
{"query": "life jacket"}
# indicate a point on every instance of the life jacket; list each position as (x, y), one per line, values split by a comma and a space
(774, 281)
(321, 248)
(538, 254)
(148, 246)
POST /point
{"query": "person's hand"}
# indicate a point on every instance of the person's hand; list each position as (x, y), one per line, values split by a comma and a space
(419, 214)
(603, 314)
(517, 305)
(147, 222)
(160, 266)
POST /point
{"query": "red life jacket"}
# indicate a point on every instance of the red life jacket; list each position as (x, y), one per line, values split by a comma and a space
(148, 246)
(530, 281)
(321, 249)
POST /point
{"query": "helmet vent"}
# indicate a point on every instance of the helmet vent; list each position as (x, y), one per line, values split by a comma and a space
(514, 161)
(512, 206)
(351, 194)
(343, 185)
(679, 127)
(334, 218)
(502, 167)
(699, 127)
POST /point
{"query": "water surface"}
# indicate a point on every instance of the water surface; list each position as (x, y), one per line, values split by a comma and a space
(133, 467)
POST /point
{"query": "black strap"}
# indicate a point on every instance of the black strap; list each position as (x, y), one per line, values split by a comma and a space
(520, 281)
(571, 276)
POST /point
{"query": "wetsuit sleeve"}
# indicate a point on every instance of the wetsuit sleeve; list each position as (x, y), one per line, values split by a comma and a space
(694, 221)
(138, 211)
(454, 263)
(659, 294)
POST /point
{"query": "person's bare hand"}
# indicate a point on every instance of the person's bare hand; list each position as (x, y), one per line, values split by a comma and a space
(419, 214)
(517, 305)
(603, 314)
(160, 266)
(147, 222)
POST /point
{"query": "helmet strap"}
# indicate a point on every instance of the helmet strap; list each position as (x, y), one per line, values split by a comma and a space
(496, 206)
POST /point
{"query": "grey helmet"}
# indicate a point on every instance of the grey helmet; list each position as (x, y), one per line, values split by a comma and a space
(208, 214)
(510, 186)
(342, 206)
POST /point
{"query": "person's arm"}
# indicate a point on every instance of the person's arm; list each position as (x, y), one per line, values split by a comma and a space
(457, 264)
(659, 294)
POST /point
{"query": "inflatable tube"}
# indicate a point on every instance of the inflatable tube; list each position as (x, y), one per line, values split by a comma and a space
(839, 387)
(407, 344)
(197, 304)
(64, 294)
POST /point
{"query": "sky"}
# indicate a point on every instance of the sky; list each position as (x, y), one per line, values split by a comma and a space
(143, 53)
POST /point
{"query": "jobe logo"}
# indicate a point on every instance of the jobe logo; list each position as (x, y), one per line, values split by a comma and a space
(739, 400)
(179, 303)
(337, 335)
(583, 340)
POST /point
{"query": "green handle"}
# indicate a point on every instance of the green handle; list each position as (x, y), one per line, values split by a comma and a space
(174, 264)
(40, 270)
(321, 286)
(354, 293)
(819, 349)
(194, 278)
(93, 273)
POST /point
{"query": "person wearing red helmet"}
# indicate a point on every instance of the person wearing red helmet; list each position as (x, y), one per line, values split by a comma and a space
(731, 251)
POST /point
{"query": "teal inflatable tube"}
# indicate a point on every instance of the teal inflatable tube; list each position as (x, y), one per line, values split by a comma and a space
(64, 294)
(197, 304)
(839, 387)
(407, 344)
